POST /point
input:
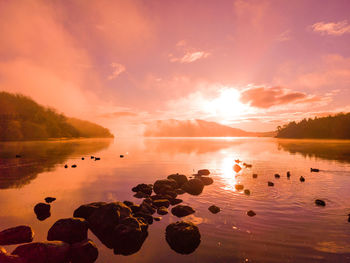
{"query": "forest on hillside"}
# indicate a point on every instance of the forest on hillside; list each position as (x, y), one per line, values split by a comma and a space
(21, 118)
(331, 127)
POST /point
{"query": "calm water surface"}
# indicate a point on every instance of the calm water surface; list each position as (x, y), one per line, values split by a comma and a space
(288, 226)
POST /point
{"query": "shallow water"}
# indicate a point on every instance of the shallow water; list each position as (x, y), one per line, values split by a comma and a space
(288, 226)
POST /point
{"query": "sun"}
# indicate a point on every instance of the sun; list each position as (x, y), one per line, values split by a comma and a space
(227, 104)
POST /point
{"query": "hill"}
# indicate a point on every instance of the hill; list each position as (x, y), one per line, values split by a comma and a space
(331, 127)
(21, 118)
(196, 128)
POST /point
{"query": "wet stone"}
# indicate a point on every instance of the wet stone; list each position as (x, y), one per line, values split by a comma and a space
(214, 209)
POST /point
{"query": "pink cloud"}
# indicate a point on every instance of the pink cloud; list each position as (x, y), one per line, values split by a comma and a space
(117, 70)
(332, 28)
(267, 97)
(189, 57)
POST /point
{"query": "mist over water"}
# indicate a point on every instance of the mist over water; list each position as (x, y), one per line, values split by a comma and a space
(288, 227)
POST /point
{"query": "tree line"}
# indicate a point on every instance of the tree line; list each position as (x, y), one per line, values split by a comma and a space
(21, 118)
(330, 127)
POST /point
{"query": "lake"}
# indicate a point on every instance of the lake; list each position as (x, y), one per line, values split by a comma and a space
(288, 226)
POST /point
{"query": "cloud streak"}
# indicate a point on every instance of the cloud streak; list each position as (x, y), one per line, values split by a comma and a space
(267, 97)
(117, 70)
(332, 28)
(190, 57)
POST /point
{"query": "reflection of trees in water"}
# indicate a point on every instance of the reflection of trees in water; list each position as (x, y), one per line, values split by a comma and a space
(190, 146)
(329, 150)
(38, 157)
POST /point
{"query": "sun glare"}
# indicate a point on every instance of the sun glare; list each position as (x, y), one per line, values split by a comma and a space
(227, 104)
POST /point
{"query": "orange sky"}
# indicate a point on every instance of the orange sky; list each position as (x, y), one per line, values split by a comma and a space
(248, 64)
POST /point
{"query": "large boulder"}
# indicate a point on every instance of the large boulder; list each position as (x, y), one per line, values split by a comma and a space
(193, 186)
(164, 186)
(16, 235)
(44, 252)
(144, 188)
(182, 210)
(7, 258)
(84, 252)
(183, 237)
(179, 178)
(84, 211)
(42, 211)
(69, 230)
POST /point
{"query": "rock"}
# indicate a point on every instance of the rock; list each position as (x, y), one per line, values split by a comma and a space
(237, 168)
(183, 237)
(193, 186)
(162, 210)
(42, 211)
(121, 156)
(144, 188)
(288, 174)
(97, 158)
(66, 166)
(92, 157)
(175, 201)
(179, 191)
(44, 252)
(141, 195)
(182, 210)
(84, 211)
(302, 179)
(247, 165)
(247, 191)
(237, 161)
(320, 202)
(7, 258)
(314, 170)
(83, 158)
(239, 187)
(277, 176)
(179, 178)
(128, 203)
(255, 176)
(146, 217)
(203, 172)
(147, 208)
(50, 199)
(161, 202)
(69, 230)
(165, 185)
(16, 235)
(251, 213)
(84, 252)
(74, 166)
(214, 209)
(270, 183)
(18, 156)
(135, 208)
(157, 218)
(205, 180)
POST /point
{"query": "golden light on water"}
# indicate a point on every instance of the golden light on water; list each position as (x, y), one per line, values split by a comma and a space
(230, 177)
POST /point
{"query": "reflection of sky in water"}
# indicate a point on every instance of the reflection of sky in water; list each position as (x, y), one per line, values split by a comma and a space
(287, 224)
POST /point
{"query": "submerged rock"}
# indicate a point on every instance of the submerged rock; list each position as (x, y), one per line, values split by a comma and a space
(214, 209)
(288, 174)
(50, 199)
(74, 166)
(42, 211)
(69, 230)
(183, 237)
(251, 213)
(205, 180)
(179, 178)
(193, 186)
(320, 202)
(302, 179)
(97, 158)
(255, 176)
(44, 252)
(239, 187)
(237, 168)
(16, 235)
(277, 176)
(314, 170)
(247, 191)
(84, 252)
(66, 166)
(246, 165)
(203, 172)
(270, 183)
(182, 210)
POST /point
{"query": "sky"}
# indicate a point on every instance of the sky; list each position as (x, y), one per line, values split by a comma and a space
(247, 64)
